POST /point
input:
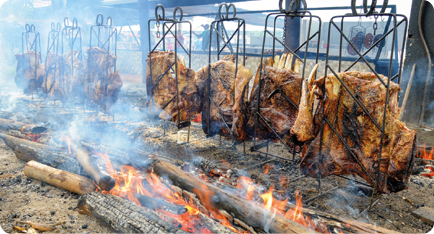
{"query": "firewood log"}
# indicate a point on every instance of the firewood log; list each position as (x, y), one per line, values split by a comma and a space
(122, 215)
(59, 178)
(101, 177)
(252, 215)
(27, 150)
(7, 125)
(213, 226)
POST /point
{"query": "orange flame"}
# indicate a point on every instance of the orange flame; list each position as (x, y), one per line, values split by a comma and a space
(422, 152)
(130, 181)
(296, 213)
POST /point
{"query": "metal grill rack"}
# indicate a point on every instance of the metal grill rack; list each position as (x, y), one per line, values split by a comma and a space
(222, 36)
(298, 53)
(336, 23)
(168, 26)
(72, 41)
(31, 41)
(52, 47)
(104, 36)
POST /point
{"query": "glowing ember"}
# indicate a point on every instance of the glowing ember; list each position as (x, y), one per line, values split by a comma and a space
(431, 174)
(266, 169)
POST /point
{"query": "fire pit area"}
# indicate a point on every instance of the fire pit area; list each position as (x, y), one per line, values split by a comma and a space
(311, 138)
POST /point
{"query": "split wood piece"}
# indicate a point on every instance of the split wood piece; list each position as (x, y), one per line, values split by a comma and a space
(213, 226)
(101, 177)
(59, 178)
(347, 225)
(41, 227)
(425, 214)
(28, 150)
(254, 216)
(122, 215)
(7, 125)
(156, 203)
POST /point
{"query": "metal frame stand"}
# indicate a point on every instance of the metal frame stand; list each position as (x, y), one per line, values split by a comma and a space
(391, 77)
(52, 47)
(70, 34)
(222, 36)
(31, 41)
(106, 38)
(168, 26)
(297, 53)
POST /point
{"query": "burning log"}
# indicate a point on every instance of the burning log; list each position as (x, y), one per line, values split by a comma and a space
(156, 203)
(122, 215)
(253, 216)
(101, 177)
(28, 150)
(59, 178)
(213, 226)
(7, 125)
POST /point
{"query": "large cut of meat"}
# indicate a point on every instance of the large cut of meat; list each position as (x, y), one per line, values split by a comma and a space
(228, 97)
(161, 87)
(282, 78)
(357, 131)
(102, 84)
(30, 71)
(64, 76)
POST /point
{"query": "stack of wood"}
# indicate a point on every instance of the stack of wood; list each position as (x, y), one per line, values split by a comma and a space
(30, 71)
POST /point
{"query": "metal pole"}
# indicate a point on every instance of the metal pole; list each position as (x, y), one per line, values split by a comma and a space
(143, 6)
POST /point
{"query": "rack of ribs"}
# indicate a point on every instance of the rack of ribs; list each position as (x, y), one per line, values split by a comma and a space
(356, 129)
(161, 87)
(226, 101)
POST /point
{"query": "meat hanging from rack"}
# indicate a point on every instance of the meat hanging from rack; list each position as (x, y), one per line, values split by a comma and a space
(357, 130)
(281, 81)
(161, 87)
(101, 82)
(229, 95)
(26, 78)
(64, 76)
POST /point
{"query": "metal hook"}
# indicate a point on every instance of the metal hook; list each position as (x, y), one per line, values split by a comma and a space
(109, 19)
(226, 15)
(371, 8)
(27, 28)
(53, 27)
(32, 28)
(174, 13)
(58, 27)
(158, 17)
(66, 22)
(99, 20)
(74, 23)
(294, 5)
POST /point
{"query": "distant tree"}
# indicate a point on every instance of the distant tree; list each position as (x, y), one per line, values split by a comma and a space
(18, 8)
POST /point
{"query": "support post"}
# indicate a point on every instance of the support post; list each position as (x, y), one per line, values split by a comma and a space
(143, 6)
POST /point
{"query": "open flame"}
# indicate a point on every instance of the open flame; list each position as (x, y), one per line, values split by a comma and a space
(31, 136)
(423, 153)
(130, 181)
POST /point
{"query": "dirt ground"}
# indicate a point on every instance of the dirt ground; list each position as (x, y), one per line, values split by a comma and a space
(25, 199)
